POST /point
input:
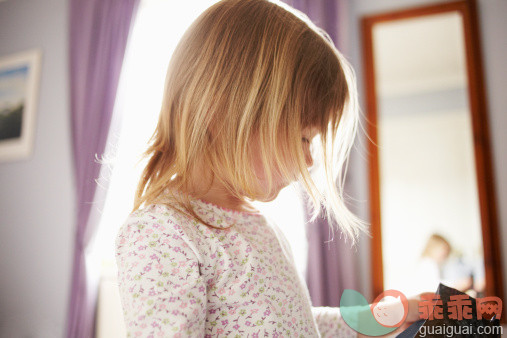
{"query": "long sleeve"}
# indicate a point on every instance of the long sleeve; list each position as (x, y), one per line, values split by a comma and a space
(161, 289)
(328, 319)
(330, 322)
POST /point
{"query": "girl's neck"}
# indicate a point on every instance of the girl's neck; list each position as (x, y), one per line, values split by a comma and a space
(217, 194)
(226, 201)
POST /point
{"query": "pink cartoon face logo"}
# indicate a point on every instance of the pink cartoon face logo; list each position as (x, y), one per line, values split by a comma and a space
(390, 308)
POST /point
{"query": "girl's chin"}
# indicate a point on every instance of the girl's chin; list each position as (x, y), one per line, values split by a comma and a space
(271, 196)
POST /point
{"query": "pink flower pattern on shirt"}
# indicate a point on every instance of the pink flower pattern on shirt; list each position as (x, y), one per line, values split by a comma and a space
(180, 278)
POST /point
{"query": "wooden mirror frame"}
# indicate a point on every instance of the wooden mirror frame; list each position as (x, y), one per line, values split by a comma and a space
(483, 161)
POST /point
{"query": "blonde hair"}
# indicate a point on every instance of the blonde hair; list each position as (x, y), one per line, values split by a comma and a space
(253, 67)
(435, 241)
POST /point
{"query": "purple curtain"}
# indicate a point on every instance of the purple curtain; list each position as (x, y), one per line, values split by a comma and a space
(98, 37)
(331, 265)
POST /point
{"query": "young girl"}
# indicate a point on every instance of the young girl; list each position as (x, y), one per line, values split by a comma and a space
(251, 85)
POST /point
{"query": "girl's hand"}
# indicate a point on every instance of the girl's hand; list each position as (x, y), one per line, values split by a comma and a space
(413, 312)
(412, 316)
(413, 306)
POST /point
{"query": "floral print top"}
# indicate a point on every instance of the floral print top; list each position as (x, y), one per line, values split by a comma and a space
(180, 278)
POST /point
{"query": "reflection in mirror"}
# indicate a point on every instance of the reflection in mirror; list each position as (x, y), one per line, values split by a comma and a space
(430, 215)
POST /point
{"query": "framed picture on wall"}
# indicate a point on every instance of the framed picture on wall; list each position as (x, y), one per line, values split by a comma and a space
(19, 87)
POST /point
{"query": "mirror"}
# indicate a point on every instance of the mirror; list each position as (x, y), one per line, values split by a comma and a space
(431, 187)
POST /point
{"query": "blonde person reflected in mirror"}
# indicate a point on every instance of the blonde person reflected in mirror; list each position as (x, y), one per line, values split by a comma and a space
(440, 263)
(254, 93)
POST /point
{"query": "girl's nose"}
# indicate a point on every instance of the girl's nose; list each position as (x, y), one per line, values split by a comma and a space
(308, 158)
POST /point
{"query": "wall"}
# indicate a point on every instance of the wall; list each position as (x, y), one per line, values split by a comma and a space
(493, 27)
(37, 195)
